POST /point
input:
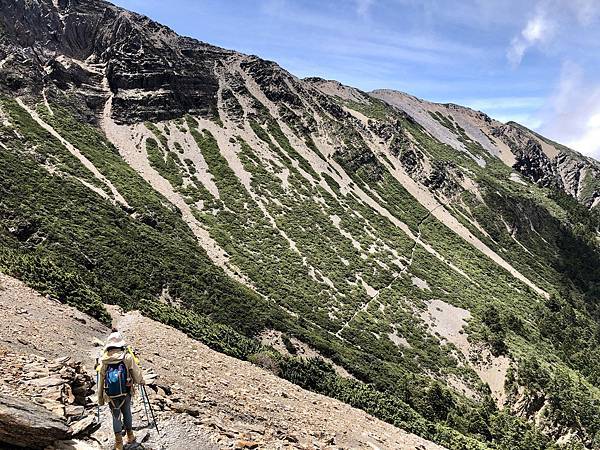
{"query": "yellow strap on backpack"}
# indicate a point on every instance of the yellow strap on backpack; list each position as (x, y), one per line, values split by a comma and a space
(135, 358)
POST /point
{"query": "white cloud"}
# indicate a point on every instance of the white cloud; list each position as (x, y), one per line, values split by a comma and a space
(589, 142)
(551, 18)
(572, 115)
(538, 29)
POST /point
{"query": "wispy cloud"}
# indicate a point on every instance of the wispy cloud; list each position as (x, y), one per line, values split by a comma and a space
(550, 22)
(273, 7)
(520, 109)
(385, 53)
(586, 11)
(363, 7)
(572, 115)
(347, 32)
(538, 29)
(589, 141)
(352, 47)
(503, 103)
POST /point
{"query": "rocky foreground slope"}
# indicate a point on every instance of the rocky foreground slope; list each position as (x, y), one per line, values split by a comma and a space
(440, 269)
(203, 399)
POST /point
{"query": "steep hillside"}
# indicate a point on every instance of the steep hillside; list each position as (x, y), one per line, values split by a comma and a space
(210, 401)
(443, 266)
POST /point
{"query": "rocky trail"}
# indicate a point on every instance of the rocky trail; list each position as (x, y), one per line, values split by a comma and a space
(202, 399)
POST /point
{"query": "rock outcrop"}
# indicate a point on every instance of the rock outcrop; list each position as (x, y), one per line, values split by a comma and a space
(43, 401)
(25, 424)
(96, 50)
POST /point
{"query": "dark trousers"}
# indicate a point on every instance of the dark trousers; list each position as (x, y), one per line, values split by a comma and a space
(121, 406)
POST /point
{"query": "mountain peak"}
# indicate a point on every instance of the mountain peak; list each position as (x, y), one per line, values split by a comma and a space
(115, 51)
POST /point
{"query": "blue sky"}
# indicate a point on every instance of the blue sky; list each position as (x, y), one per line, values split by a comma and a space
(533, 61)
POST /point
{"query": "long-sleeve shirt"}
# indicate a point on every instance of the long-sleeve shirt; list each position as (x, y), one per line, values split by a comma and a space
(115, 356)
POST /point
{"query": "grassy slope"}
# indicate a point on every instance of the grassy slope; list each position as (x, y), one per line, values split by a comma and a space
(73, 244)
(81, 229)
(554, 341)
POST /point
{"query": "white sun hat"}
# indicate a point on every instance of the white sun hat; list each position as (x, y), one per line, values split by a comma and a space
(115, 340)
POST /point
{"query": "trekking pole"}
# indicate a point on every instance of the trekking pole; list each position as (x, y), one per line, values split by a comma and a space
(97, 390)
(145, 407)
(151, 410)
(145, 394)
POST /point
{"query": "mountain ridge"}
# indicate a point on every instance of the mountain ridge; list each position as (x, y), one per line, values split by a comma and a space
(118, 79)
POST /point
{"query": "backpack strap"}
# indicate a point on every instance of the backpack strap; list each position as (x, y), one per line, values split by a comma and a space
(135, 358)
(112, 404)
(99, 361)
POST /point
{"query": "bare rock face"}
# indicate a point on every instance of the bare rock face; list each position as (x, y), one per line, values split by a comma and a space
(25, 424)
(562, 168)
(270, 76)
(535, 165)
(98, 50)
(531, 161)
(580, 176)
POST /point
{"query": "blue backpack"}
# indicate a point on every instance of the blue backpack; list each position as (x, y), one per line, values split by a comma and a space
(116, 381)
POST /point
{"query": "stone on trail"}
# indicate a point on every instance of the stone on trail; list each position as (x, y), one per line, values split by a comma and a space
(82, 426)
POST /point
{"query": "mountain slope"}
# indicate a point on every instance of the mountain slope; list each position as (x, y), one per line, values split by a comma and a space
(214, 401)
(445, 264)
(540, 160)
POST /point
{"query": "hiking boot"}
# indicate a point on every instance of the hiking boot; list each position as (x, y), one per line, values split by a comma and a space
(118, 441)
(130, 437)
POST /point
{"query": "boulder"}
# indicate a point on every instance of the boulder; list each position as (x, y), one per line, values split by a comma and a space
(28, 425)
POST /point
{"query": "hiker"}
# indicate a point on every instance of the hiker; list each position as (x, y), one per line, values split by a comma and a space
(118, 373)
